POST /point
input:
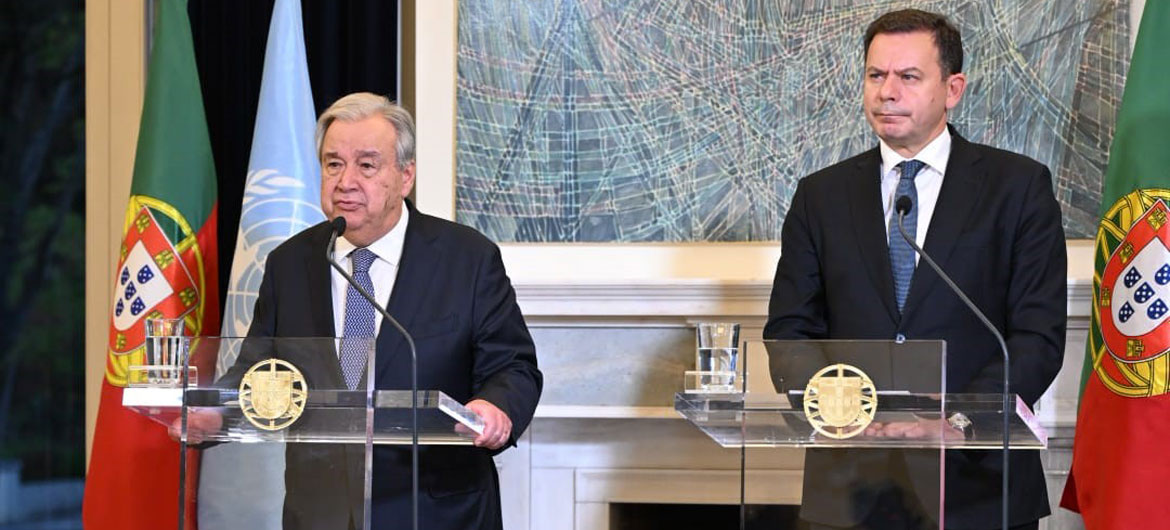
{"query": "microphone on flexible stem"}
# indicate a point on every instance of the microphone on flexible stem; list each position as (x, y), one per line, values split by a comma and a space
(338, 225)
(903, 206)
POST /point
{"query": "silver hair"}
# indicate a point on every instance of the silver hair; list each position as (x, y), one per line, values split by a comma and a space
(361, 105)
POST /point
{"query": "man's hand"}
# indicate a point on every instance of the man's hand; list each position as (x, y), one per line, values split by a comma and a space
(201, 424)
(923, 429)
(497, 427)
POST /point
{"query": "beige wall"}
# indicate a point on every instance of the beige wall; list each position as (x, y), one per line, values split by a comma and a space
(115, 76)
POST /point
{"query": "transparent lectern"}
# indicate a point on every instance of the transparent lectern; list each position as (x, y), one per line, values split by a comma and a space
(283, 434)
(873, 420)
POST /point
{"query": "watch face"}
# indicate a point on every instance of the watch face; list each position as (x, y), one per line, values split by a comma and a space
(961, 422)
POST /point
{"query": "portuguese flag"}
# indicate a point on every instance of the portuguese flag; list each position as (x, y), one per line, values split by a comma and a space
(1120, 462)
(166, 269)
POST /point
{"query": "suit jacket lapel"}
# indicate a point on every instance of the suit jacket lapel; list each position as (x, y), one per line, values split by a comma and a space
(956, 202)
(865, 207)
(420, 256)
(320, 285)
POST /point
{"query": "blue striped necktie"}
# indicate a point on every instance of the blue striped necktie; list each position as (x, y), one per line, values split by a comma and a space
(359, 320)
(901, 254)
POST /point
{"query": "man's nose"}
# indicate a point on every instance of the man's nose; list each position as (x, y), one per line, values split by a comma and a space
(890, 88)
(348, 178)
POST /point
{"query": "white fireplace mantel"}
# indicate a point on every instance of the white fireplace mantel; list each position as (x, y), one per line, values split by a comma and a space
(688, 298)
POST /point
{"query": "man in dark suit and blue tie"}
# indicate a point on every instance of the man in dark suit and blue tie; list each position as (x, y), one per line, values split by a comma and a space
(990, 219)
(445, 283)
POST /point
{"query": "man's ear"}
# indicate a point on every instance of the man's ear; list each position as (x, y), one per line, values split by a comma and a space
(955, 85)
(408, 179)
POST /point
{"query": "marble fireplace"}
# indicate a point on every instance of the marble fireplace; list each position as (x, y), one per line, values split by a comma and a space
(606, 434)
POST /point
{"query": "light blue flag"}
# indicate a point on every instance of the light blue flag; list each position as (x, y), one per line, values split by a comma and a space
(242, 485)
(282, 195)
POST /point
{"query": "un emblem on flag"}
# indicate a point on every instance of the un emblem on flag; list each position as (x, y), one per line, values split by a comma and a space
(273, 394)
(840, 401)
(1132, 295)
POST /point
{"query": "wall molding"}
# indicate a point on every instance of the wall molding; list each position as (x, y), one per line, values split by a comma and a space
(667, 301)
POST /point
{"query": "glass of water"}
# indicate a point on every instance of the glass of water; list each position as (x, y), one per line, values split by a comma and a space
(717, 355)
(165, 350)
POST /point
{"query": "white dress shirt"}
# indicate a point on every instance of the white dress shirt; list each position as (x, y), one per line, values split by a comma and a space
(928, 182)
(383, 270)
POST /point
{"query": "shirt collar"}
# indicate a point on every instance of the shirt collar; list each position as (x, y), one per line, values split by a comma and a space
(934, 155)
(387, 248)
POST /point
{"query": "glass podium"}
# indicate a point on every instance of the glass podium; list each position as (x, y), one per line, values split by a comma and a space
(873, 419)
(283, 437)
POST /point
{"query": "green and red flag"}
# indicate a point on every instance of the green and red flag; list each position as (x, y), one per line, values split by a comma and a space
(166, 269)
(1120, 461)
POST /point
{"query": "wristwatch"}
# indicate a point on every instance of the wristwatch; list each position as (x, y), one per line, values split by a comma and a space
(960, 422)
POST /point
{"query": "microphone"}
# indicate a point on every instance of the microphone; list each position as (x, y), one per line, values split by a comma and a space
(338, 224)
(338, 228)
(903, 206)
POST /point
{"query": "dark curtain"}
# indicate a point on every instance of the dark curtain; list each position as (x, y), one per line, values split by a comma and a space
(351, 46)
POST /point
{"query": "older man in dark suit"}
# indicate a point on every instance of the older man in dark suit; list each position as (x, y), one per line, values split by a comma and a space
(987, 216)
(445, 283)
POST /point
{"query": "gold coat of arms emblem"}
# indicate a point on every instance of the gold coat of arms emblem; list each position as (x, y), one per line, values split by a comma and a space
(840, 401)
(273, 394)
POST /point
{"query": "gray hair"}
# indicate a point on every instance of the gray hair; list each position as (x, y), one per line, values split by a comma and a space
(361, 105)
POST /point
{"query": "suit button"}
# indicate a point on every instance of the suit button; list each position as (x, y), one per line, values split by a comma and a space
(899, 338)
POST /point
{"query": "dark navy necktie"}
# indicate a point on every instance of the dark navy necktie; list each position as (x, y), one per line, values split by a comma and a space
(359, 320)
(901, 254)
